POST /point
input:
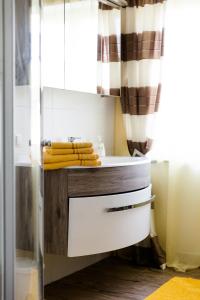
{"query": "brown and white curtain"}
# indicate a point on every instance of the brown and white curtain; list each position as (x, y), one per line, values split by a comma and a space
(142, 50)
(109, 49)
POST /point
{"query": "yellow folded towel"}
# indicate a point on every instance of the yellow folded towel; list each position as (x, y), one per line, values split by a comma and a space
(61, 155)
(51, 151)
(70, 145)
(91, 163)
(60, 165)
(47, 158)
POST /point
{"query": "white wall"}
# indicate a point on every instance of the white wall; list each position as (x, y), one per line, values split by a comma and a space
(68, 113)
(65, 113)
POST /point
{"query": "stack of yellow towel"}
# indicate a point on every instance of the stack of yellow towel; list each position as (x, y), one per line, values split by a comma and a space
(61, 155)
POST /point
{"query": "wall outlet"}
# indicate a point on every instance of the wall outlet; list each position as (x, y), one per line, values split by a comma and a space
(18, 140)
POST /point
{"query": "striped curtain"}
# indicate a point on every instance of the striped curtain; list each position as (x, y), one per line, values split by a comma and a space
(142, 50)
(109, 50)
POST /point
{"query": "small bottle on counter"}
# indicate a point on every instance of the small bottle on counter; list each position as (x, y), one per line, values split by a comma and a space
(100, 147)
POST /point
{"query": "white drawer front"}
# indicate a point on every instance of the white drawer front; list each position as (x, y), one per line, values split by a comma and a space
(95, 228)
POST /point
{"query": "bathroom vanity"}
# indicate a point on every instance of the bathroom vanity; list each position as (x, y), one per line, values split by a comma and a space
(97, 209)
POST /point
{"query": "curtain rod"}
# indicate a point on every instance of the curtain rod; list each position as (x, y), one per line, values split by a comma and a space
(121, 3)
(116, 3)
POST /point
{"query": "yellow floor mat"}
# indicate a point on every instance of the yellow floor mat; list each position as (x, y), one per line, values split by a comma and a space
(178, 288)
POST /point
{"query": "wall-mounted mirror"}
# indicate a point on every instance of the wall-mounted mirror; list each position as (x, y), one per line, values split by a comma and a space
(81, 46)
(53, 43)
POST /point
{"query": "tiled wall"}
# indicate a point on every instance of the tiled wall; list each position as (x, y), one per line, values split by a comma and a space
(22, 124)
(65, 113)
(88, 116)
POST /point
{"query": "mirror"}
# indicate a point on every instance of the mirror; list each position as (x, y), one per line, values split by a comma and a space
(81, 46)
(53, 43)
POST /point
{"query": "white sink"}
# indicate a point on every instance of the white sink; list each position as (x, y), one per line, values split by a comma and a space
(117, 161)
(107, 161)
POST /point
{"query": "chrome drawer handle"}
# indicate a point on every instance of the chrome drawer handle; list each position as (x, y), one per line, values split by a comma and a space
(127, 207)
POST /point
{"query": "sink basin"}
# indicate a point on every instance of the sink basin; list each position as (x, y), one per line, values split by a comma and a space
(117, 161)
(107, 161)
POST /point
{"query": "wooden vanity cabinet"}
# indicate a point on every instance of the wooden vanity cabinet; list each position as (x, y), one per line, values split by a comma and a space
(63, 186)
(60, 185)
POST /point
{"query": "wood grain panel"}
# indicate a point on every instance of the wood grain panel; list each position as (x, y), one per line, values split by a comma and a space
(55, 212)
(101, 181)
(64, 183)
(24, 209)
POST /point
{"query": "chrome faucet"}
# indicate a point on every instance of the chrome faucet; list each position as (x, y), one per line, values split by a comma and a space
(71, 139)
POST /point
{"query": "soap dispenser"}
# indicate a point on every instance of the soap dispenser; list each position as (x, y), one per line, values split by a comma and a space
(101, 148)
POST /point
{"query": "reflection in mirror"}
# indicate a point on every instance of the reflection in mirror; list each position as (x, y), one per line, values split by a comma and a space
(53, 43)
(109, 50)
(29, 260)
(92, 50)
(81, 45)
(22, 42)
